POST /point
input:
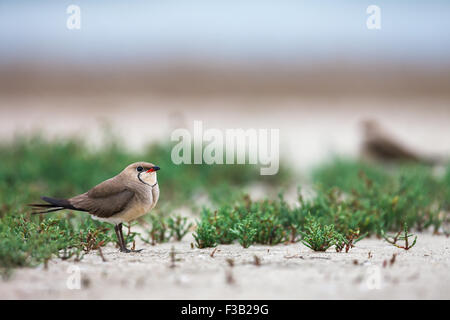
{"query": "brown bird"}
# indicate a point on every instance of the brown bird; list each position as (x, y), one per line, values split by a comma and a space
(123, 198)
(377, 145)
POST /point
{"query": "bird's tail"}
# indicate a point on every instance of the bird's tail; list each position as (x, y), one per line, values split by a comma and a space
(52, 205)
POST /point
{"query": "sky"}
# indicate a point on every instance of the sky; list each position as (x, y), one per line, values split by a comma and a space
(245, 31)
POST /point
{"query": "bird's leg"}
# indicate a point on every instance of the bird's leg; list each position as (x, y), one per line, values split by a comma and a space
(123, 247)
(118, 230)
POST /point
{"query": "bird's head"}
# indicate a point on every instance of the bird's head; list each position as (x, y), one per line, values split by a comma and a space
(370, 128)
(143, 172)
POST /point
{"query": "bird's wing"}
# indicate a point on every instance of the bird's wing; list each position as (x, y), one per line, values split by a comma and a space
(104, 200)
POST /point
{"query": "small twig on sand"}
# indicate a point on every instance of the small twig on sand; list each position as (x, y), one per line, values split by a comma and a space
(101, 254)
(230, 262)
(392, 261)
(229, 272)
(212, 253)
(172, 257)
(229, 276)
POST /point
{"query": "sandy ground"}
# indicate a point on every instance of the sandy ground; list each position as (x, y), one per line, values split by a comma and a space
(285, 272)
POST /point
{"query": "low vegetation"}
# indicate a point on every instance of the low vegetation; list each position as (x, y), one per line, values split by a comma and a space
(351, 200)
(26, 241)
(162, 229)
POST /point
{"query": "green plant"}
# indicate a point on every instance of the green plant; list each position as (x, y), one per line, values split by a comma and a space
(402, 236)
(245, 232)
(178, 227)
(320, 237)
(445, 185)
(158, 232)
(205, 235)
(349, 240)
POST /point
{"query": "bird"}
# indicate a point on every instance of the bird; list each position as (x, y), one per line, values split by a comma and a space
(378, 145)
(123, 198)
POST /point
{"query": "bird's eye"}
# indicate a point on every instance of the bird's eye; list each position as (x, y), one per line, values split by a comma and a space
(139, 169)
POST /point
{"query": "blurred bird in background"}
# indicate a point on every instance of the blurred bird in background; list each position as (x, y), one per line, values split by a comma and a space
(378, 145)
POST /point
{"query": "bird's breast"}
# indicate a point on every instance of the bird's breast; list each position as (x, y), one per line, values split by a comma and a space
(135, 211)
(143, 203)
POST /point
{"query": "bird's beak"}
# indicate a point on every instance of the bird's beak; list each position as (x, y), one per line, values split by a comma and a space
(155, 168)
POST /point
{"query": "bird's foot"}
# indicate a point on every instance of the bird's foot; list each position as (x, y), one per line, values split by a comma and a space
(125, 250)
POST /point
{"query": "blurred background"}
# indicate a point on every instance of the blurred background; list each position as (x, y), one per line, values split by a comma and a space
(77, 106)
(311, 69)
